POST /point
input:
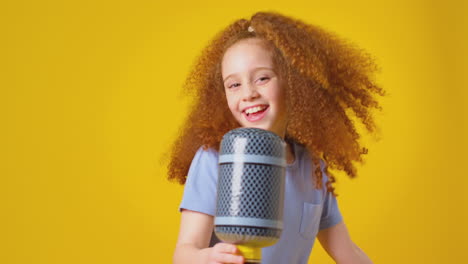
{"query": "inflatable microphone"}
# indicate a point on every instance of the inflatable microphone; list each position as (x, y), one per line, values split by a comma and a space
(250, 195)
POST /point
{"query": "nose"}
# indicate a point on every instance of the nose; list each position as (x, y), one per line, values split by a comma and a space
(249, 92)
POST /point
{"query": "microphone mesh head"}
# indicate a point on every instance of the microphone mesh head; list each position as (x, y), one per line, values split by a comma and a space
(259, 188)
(250, 194)
(260, 142)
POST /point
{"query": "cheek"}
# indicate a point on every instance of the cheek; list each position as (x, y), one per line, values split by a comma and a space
(231, 103)
(278, 96)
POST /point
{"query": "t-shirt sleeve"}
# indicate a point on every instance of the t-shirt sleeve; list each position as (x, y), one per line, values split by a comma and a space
(331, 214)
(200, 186)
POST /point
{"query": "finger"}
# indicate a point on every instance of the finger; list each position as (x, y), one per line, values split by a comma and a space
(226, 248)
(229, 258)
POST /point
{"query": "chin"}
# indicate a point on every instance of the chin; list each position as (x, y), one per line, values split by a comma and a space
(264, 127)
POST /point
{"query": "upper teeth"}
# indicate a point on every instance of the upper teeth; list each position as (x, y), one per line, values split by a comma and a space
(254, 109)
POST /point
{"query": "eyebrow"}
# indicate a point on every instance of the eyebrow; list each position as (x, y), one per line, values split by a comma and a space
(255, 70)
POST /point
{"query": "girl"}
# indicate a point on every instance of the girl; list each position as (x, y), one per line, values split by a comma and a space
(301, 82)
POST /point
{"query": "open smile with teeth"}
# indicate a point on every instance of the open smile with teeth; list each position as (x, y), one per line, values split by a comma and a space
(256, 109)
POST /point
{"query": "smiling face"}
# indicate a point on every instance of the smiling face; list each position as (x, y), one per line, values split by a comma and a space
(253, 86)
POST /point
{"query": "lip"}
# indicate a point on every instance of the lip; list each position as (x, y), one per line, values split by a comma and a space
(255, 118)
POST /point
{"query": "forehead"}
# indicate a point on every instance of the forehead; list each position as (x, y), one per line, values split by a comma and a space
(246, 54)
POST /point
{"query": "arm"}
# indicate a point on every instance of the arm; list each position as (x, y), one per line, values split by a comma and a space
(194, 237)
(336, 241)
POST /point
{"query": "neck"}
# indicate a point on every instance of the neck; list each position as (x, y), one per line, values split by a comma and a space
(289, 154)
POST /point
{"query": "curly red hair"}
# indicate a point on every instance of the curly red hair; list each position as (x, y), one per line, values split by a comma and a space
(328, 82)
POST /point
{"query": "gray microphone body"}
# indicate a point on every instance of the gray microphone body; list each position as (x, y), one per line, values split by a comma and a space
(250, 191)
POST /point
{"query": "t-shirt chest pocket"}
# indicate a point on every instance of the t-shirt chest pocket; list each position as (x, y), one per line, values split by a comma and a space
(310, 220)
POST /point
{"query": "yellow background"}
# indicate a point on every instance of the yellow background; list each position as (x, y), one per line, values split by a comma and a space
(90, 98)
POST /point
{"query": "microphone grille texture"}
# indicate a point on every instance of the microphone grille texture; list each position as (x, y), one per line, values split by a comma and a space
(250, 197)
(260, 142)
(258, 192)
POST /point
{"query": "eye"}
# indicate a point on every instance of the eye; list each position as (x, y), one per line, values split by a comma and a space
(233, 85)
(262, 79)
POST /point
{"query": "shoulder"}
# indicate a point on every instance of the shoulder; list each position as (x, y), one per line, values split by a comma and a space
(204, 157)
(204, 164)
(204, 154)
(200, 186)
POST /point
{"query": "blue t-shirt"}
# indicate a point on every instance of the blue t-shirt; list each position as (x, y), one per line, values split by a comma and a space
(306, 209)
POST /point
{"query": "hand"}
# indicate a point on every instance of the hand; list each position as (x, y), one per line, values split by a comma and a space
(224, 253)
